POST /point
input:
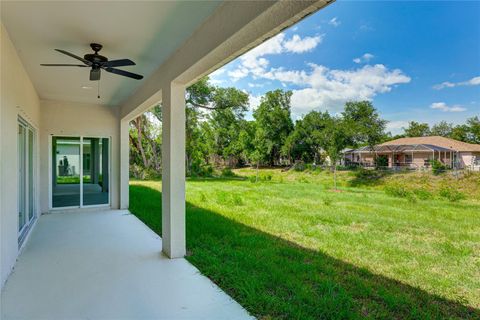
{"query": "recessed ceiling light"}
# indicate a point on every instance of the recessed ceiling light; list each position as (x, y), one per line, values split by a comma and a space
(86, 87)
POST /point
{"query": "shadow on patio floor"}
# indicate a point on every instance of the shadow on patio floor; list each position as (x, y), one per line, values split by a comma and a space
(274, 278)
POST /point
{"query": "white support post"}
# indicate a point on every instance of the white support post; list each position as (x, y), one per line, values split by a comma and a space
(124, 164)
(173, 170)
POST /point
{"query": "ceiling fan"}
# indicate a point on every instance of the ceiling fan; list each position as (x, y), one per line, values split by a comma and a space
(98, 62)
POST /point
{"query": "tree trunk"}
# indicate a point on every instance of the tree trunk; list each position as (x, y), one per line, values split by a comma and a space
(138, 125)
(335, 177)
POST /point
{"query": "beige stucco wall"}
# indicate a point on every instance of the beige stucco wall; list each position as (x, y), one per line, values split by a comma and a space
(466, 158)
(418, 159)
(18, 98)
(78, 119)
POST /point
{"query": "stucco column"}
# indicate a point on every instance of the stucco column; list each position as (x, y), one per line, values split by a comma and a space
(173, 170)
(124, 164)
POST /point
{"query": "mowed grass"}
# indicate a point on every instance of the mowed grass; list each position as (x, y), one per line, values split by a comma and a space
(291, 248)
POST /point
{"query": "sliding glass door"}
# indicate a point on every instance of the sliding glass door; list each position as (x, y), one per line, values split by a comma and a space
(26, 177)
(95, 171)
(66, 172)
(80, 172)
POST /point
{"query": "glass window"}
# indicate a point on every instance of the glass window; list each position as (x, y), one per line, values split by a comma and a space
(21, 177)
(66, 172)
(95, 174)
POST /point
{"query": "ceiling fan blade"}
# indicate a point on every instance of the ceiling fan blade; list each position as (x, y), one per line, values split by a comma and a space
(124, 73)
(118, 63)
(88, 63)
(94, 74)
(62, 65)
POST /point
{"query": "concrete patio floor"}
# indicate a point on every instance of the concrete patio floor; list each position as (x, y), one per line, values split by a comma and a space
(107, 265)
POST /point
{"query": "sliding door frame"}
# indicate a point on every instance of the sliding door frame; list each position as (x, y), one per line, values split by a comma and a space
(50, 172)
(30, 179)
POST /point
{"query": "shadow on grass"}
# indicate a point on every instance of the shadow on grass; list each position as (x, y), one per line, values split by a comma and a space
(274, 278)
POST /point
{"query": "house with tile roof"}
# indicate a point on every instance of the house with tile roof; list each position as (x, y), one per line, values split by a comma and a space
(418, 152)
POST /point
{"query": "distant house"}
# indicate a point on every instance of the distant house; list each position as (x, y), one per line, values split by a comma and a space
(417, 152)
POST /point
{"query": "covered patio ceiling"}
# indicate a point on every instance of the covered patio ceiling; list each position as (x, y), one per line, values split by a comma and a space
(145, 32)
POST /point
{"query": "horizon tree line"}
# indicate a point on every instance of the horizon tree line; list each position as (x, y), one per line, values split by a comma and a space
(219, 135)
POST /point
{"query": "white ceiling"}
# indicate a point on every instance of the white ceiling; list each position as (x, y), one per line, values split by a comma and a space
(145, 32)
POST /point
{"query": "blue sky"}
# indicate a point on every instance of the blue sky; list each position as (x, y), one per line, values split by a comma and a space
(414, 60)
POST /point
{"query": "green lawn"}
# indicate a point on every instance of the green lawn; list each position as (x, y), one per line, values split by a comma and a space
(291, 248)
(72, 179)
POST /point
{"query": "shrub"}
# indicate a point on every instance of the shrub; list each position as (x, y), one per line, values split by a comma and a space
(365, 176)
(261, 177)
(227, 173)
(302, 179)
(313, 168)
(227, 198)
(437, 167)
(397, 190)
(266, 177)
(411, 197)
(141, 173)
(327, 201)
(451, 194)
(137, 172)
(381, 162)
(422, 194)
(199, 169)
(299, 166)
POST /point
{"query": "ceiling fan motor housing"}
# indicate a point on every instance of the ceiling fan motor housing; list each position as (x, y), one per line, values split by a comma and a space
(95, 57)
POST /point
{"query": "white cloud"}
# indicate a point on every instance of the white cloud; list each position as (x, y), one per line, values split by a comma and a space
(329, 89)
(218, 72)
(396, 125)
(299, 45)
(317, 87)
(238, 73)
(334, 22)
(364, 59)
(254, 63)
(446, 108)
(475, 81)
(254, 101)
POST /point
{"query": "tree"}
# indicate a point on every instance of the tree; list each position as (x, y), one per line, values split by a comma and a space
(460, 132)
(364, 124)
(335, 137)
(416, 129)
(246, 140)
(215, 132)
(474, 129)
(443, 129)
(145, 142)
(262, 148)
(227, 120)
(273, 115)
(304, 142)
